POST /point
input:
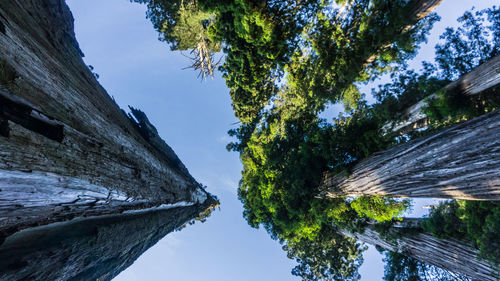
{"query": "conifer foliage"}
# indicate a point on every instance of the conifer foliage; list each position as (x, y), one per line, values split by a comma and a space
(284, 62)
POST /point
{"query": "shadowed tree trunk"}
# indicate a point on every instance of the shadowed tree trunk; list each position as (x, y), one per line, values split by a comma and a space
(452, 255)
(458, 162)
(89, 249)
(66, 148)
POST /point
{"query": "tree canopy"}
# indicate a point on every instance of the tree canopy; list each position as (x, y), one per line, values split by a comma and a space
(285, 153)
(284, 63)
(330, 256)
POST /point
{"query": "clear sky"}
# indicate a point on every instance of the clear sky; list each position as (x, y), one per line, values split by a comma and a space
(193, 118)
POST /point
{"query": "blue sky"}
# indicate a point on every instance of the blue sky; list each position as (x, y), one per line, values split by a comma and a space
(193, 118)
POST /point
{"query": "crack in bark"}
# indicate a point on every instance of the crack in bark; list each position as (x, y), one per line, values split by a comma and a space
(20, 112)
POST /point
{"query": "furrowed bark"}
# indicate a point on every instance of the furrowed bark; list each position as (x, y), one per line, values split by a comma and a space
(458, 162)
(483, 77)
(66, 148)
(97, 248)
(448, 254)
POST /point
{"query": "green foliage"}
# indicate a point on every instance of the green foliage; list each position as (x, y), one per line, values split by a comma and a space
(400, 267)
(379, 208)
(330, 256)
(282, 157)
(452, 107)
(477, 222)
(444, 221)
(283, 153)
(405, 89)
(476, 41)
(181, 23)
(192, 27)
(280, 180)
(285, 61)
(263, 40)
(259, 38)
(185, 26)
(286, 150)
(352, 46)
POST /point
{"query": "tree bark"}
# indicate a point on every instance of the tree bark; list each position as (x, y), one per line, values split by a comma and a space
(66, 148)
(421, 8)
(89, 249)
(458, 162)
(448, 254)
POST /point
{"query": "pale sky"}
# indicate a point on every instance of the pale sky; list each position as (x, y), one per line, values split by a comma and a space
(193, 118)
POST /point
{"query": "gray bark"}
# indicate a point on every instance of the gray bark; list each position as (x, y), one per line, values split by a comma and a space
(66, 148)
(452, 255)
(459, 162)
(483, 77)
(96, 248)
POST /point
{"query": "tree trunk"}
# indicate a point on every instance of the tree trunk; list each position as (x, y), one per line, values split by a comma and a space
(90, 249)
(448, 254)
(458, 162)
(66, 148)
(421, 8)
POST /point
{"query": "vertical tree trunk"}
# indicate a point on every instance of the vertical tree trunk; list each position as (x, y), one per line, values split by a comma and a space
(66, 148)
(91, 249)
(459, 162)
(447, 254)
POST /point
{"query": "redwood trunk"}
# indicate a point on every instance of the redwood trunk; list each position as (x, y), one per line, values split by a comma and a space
(452, 255)
(459, 162)
(66, 148)
(90, 249)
